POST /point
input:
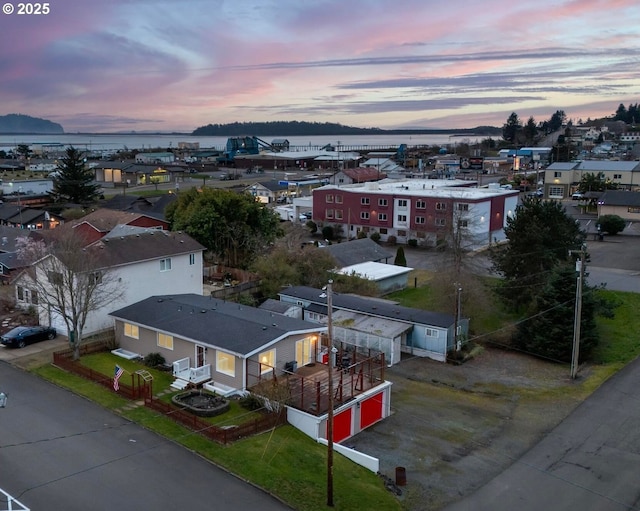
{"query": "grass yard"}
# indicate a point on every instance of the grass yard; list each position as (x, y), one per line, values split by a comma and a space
(284, 462)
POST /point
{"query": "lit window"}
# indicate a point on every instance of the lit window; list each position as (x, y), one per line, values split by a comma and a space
(131, 331)
(225, 363)
(267, 361)
(165, 264)
(165, 341)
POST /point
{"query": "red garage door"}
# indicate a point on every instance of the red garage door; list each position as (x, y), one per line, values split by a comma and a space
(341, 426)
(371, 410)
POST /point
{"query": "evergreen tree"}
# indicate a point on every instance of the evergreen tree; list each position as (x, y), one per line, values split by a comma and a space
(511, 129)
(400, 259)
(540, 235)
(73, 182)
(548, 331)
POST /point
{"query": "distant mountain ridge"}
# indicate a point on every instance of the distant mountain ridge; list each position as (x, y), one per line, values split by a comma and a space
(301, 128)
(24, 124)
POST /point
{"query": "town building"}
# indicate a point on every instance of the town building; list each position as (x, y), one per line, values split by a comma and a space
(426, 210)
(561, 179)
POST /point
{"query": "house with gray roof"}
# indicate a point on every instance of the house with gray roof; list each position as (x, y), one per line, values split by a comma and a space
(225, 338)
(382, 325)
(359, 251)
(621, 203)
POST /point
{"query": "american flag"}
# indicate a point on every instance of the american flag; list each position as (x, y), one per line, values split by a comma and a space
(116, 377)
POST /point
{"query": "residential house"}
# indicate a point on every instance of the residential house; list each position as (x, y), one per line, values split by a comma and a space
(149, 206)
(268, 192)
(357, 175)
(381, 324)
(426, 210)
(98, 223)
(231, 348)
(146, 263)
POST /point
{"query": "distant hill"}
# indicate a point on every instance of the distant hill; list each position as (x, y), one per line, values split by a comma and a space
(18, 124)
(297, 128)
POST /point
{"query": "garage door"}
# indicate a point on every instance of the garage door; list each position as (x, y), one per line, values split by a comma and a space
(371, 410)
(342, 426)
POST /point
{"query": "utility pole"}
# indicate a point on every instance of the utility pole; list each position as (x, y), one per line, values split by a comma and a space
(577, 316)
(330, 412)
(457, 317)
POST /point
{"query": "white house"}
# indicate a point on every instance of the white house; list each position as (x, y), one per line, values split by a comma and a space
(149, 263)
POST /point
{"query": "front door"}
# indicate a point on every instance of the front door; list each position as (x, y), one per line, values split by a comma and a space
(200, 355)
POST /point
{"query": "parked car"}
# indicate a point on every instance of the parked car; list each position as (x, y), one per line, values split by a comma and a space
(577, 196)
(20, 336)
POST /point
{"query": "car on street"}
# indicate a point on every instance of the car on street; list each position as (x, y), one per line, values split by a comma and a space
(577, 196)
(20, 336)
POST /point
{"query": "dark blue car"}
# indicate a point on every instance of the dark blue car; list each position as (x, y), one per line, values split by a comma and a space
(20, 336)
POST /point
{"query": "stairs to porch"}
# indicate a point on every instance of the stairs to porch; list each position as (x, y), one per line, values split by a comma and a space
(179, 384)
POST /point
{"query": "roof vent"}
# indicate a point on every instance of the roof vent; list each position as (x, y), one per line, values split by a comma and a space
(160, 300)
(264, 327)
(203, 311)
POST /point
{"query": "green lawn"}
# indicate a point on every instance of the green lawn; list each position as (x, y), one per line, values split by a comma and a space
(284, 461)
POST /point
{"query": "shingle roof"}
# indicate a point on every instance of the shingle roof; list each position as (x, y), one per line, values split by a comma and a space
(149, 245)
(370, 306)
(357, 251)
(226, 325)
(104, 219)
(619, 198)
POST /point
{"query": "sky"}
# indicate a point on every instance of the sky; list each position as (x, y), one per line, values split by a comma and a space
(174, 65)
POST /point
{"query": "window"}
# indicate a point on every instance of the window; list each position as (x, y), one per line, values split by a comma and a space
(328, 198)
(431, 332)
(338, 199)
(165, 264)
(557, 174)
(55, 278)
(421, 204)
(267, 361)
(34, 297)
(420, 220)
(225, 363)
(421, 234)
(441, 206)
(338, 214)
(192, 259)
(382, 217)
(463, 223)
(364, 201)
(95, 278)
(441, 222)
(364, 215)
(383, 230)
(383, 202)
(463, 207)
(402, 218)
(402, 203)
(131, 331)
(329, 213)
(20, 290)
(165, 341)
(617, 176)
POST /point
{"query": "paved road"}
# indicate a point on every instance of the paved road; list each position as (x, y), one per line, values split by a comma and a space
(60, 451)
(591, 461)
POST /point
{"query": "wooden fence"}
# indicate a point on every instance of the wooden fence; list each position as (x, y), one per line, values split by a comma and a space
(138, 389)
(220, 435)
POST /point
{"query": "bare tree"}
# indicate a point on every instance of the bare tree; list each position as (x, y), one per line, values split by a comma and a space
(71, 279)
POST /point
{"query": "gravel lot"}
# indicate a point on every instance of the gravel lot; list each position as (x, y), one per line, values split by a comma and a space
(453, 428)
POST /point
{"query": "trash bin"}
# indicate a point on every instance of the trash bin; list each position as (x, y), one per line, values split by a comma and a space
(401, 476)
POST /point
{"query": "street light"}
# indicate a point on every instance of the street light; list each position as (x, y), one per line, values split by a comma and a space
(3, 400)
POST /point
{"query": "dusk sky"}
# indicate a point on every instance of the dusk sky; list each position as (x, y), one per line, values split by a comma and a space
(136, 65)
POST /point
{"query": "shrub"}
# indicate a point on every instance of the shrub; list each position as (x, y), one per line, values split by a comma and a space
(251, 402)
(400, 259)
(412, 242)
(327, 232)
(312, 226)
(361, 235)
(611, 224)
(375, 236)
(154, 360)
(392, 240)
